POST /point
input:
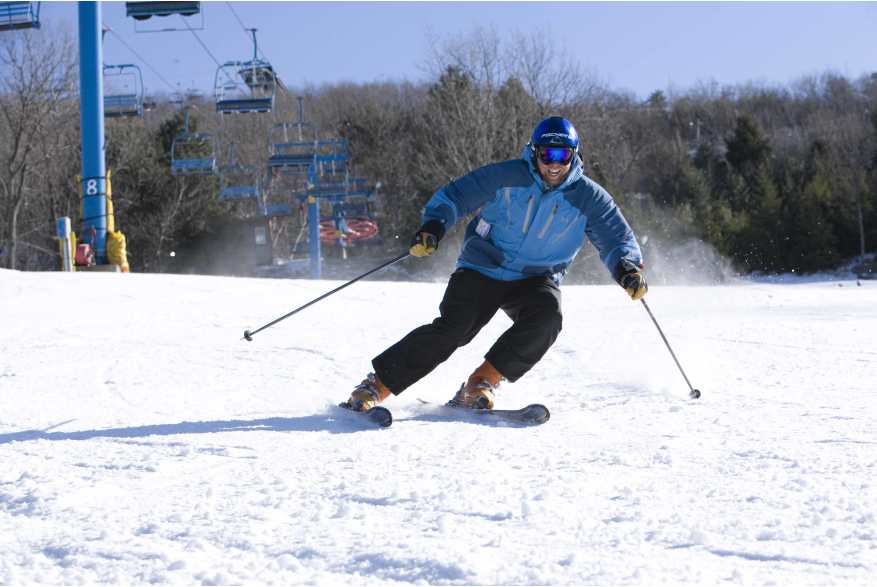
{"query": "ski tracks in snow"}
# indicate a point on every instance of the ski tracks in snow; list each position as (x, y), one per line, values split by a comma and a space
(159, 448)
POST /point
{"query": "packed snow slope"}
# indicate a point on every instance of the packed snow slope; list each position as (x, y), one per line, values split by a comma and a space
(142, 441)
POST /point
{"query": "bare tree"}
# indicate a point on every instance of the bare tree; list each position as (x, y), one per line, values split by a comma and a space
(552, 75)
(37, 71)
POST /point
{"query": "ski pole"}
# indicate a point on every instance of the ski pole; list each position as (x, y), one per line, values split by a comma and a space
(695, 393)
(248, 335)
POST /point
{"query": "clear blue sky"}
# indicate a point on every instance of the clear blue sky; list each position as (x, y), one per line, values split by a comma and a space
(638, 46)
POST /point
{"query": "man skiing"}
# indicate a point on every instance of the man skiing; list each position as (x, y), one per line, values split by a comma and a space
(536, 213)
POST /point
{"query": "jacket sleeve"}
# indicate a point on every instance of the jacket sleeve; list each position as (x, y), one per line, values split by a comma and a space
(461, 197)
(610, 233)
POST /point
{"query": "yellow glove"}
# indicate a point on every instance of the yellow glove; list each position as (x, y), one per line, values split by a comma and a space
(628, 277)
(635, 285)
(423, 244)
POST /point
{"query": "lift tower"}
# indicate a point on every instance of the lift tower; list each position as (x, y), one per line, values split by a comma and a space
(94, 169)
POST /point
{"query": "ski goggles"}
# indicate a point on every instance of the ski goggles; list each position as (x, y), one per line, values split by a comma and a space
(549, 155)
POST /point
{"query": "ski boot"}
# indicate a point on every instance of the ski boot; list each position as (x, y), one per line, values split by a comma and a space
(479, 392)
(367, 394)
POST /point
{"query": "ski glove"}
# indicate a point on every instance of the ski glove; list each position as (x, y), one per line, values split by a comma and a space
(628, 276)
(425, 242)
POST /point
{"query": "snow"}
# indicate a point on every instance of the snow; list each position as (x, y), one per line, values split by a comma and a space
(142, 441)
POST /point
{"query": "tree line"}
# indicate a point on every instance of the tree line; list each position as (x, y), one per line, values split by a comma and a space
(769, 177)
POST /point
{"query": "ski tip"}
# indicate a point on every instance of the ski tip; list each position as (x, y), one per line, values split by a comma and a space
(380, 416)
(541, 418)
(376, 415)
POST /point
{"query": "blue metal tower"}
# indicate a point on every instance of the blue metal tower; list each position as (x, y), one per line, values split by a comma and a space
(91, 96)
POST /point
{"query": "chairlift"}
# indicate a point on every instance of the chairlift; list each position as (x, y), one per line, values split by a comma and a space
(333, 161)
(123, 91)
(240, 183)
(278, 201)
(194, 154)
(142, 11)
(246, 86)
(292, 148)
(19, 15)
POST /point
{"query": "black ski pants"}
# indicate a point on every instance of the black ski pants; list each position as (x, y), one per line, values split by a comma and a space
(470, 301)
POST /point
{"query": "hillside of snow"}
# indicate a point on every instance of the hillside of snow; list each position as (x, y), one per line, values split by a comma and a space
(143, 441)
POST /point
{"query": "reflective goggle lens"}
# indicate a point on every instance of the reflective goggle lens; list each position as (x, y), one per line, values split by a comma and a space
(549, 155)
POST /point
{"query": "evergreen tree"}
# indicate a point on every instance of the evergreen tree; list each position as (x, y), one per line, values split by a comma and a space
(810, 241)
(758, 242)
(748, 153)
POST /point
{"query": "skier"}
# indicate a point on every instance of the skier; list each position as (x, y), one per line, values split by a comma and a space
(537, 212)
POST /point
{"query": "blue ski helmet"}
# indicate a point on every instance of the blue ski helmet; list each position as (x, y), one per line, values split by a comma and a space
(555, 132)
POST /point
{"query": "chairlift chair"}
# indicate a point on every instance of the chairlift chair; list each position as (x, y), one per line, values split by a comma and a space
(247, 86)
(278, 201)
(142, 11)
(240, 183)
(19, 15)
(123, 91)
(333, 161)
(194, 154)
(292, 148)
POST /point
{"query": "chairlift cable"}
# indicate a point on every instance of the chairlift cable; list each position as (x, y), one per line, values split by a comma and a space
(146, 63)
(206, 49)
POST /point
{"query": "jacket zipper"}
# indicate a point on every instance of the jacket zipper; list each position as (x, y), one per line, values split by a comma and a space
(508, 199)
(550, 218)
(526, 228)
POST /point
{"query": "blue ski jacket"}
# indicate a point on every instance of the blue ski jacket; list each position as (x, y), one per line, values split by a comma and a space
(527, 228)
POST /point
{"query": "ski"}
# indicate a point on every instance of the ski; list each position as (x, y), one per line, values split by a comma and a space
(534, 414)
(376, 415)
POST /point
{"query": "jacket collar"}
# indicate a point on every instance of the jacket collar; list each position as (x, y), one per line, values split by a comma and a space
(575, 173)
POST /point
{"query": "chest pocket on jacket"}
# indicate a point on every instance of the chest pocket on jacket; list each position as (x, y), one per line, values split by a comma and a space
(511, 213)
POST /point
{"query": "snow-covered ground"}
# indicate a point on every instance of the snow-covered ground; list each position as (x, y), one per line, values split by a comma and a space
(142, 441)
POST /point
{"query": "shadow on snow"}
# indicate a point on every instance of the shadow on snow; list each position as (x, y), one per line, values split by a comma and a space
(335, 423)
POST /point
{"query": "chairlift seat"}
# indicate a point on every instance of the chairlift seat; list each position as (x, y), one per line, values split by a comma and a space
(144, 10)
(327, 188)
(19, 15)
(246, 193)
(292, 163)
(276, 210)
(119, 106)
(278, 201)
(245, 105)
(205, 166)
(248, 178)
(184, 145)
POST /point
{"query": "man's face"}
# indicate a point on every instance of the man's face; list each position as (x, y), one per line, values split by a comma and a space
(554, 173)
